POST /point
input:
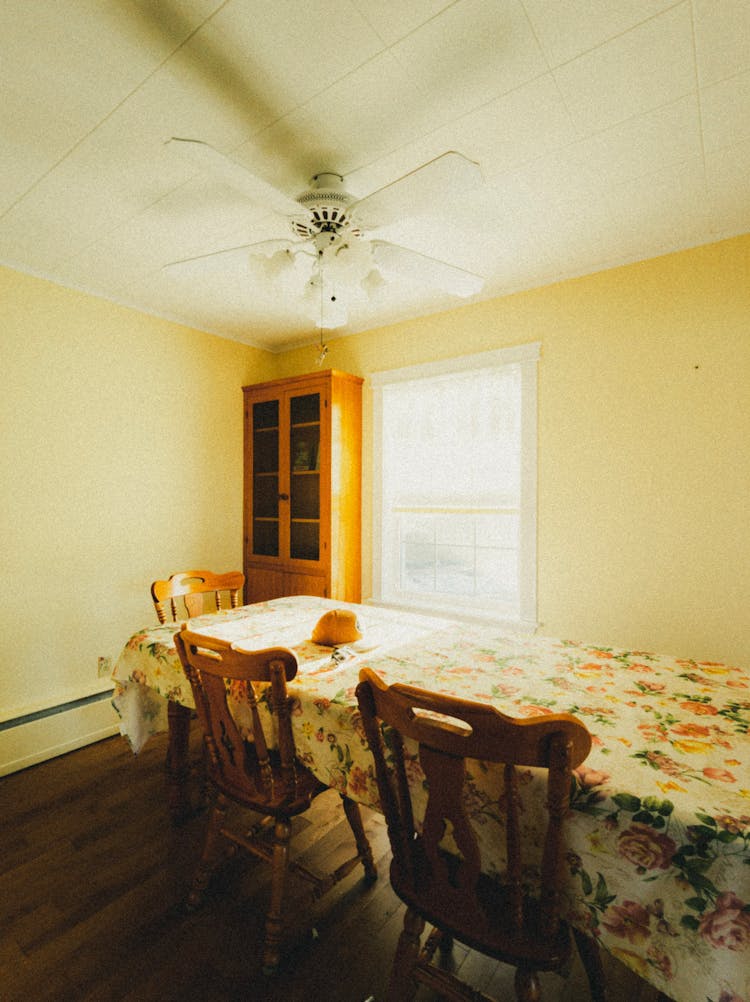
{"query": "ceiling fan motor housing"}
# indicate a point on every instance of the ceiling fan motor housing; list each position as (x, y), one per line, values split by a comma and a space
(326, 201)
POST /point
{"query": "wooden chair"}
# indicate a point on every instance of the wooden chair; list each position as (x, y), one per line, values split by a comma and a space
(500, 915)
(251, 773)
(190, 589)
(184, 595)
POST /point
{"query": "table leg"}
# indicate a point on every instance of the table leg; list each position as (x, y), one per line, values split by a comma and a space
(178, 768)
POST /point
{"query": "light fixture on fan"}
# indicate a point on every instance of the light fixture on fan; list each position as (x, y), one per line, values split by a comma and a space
(329, 231)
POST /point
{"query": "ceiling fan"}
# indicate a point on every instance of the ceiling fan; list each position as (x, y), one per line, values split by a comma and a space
(328, 253)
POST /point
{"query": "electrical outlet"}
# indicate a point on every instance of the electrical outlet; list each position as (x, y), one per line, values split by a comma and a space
(104, 668)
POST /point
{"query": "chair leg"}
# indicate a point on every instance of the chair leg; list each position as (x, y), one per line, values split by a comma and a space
(402, 986)
(527, 985)
(588, 950)
(446, 944)
(209, 856)
(274, 923)
(354, 817)
(178, 772)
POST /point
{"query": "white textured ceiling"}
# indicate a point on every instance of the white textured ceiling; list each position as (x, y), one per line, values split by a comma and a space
(607, 131)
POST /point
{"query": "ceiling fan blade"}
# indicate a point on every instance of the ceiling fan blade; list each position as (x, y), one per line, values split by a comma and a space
(402, 262)
(419, 191)
(238, 177)
(222, 258)
(267, 248)
(242, 254)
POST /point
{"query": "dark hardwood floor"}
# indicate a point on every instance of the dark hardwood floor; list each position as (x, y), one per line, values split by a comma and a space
(92, 883)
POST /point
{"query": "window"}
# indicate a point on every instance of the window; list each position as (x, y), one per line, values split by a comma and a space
(455, 485)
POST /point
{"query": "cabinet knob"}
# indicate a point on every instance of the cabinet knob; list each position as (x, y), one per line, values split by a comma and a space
(283, 497)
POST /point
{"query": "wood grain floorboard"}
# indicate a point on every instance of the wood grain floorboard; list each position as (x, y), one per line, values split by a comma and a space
(93, 879)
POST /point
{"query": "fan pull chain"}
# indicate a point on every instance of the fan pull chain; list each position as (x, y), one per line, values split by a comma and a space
(323, 350)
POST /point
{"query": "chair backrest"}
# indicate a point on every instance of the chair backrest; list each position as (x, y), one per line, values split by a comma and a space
(190, 588)
(243, 768)
(447, 732)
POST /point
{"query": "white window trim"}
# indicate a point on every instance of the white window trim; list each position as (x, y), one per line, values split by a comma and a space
(526, 356)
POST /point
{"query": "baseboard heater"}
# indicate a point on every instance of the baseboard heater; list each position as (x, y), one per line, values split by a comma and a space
(35, 737)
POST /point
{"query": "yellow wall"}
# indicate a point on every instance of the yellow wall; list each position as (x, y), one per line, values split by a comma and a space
(644, 442)
(120, 461)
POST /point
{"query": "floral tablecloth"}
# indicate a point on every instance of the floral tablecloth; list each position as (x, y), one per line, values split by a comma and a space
(658, 835)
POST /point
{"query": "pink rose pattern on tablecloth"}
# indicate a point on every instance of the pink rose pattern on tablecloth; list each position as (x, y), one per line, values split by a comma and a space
(658, 833)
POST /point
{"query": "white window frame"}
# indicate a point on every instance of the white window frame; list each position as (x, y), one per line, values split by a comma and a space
(526, 357)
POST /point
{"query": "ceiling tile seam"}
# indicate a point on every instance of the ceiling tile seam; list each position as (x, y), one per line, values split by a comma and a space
(745, 71)
(537, 39)
(551, 67)
(711, 83)
(312, 97)
(593, 133)
(104, 233)
(428, 133)
(111, 112)
(612, 38)
(388, 46)
(624, 182)
(698, 93)
(535, 158)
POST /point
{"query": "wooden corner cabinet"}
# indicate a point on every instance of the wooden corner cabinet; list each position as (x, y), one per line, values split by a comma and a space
(303, 494)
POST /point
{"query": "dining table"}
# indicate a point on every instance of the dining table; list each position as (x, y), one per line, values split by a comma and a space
(657, 835)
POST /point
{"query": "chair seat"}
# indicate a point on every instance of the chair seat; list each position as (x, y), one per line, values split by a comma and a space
(284, 799)
(482, 922)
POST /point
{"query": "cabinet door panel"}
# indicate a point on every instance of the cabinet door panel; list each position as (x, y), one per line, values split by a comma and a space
(262, 583)
(306, 584)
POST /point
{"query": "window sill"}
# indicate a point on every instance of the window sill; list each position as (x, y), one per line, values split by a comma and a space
(460, 616)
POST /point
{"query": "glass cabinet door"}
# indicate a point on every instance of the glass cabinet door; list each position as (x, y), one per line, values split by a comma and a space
(266, 467)
(304, 477)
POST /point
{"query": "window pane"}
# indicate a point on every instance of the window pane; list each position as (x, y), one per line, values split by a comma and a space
(417, 528)
(499, 530)
(417, 567)
(455, 570)
(457, 529)
(497, 573)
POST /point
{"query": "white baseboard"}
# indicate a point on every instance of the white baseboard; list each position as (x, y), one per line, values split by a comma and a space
(36, 738)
